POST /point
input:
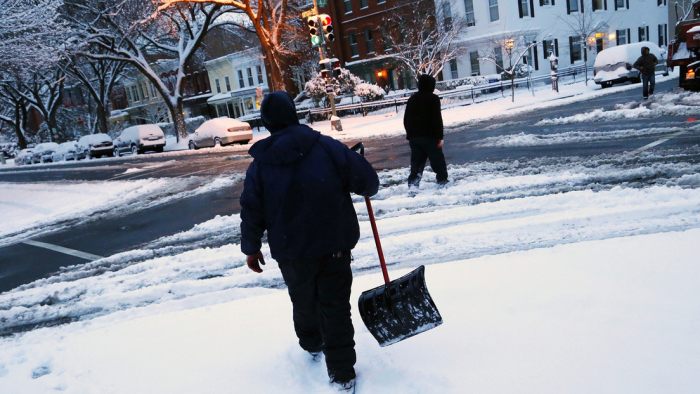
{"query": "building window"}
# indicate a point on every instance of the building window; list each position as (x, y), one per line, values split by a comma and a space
(453, 69)
(154, 92)
(545, 2)
(524, 8)
(663, 40)
(469, 12)
(575, 49)
(260, 76)
(128, 95)
(144, 90)
(363, 4)
(493, 10)
(642, 34)
(348, 6)
(572, 5)
(474, 60)
(597, 5)
(353, 45)
(228, 83)
(498, 55)
(622, 37)
(386, 38)
(250, 77)
(619, 4)
(369, 41)
(447, 15)
(241, 81)
(135, 93)
(218, 85)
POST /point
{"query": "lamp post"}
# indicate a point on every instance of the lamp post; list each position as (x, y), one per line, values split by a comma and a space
(510, 43)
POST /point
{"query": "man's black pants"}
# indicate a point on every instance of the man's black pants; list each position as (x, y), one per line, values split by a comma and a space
(320, 293)
(648, 82)
(422, 149)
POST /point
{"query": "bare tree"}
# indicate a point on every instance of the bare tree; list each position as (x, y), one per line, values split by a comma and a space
(30, 32)
(273, 21)
(137, 32)
(585, 24)
(516, 46)
(98, 77)
(424, 42)
(13, 111)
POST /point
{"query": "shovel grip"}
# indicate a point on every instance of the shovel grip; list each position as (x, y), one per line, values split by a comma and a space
(376, 240)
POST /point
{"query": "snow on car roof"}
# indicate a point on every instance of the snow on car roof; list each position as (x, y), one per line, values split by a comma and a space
(146, 129)
(221, 123)
(44, 145)
(625, 53)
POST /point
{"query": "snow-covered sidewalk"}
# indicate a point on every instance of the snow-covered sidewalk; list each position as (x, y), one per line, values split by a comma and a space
(611, 316)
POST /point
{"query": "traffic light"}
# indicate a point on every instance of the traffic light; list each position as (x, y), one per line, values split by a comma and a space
(315, 30)
(336, 67)
(326, 24)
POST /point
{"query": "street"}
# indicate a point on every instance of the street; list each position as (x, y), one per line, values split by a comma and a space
(61, 244)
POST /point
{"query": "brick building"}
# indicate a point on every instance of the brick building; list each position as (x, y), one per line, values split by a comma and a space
(363, 45)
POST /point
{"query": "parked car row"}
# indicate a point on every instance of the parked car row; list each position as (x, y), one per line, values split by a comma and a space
(135, 140)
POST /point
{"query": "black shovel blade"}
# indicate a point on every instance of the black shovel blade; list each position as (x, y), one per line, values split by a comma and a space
(399, 309)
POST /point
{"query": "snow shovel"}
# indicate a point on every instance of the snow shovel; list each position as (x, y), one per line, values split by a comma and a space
(398, 309)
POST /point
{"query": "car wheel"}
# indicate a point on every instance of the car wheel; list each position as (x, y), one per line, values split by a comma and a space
(159, 149)
(217, 142)
(192, 145)
(664, 74)
(117, 152)
(244, 142)
(134, 150)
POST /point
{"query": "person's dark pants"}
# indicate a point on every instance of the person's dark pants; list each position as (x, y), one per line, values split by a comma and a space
(648, 82)
(422, 149)
(320, 293)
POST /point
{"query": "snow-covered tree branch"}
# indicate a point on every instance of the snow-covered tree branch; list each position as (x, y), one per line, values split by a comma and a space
(585, 24)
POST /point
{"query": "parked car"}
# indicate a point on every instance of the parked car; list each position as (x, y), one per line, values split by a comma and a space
(66, 151)
(95, 145)
(24, 157)
(221, 131)
(44, 152)
(9, 149)
(139, 139)
(614, 65)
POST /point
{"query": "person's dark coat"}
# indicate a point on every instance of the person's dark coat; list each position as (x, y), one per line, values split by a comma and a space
(423, 117)
(646, 64)
(298, 188)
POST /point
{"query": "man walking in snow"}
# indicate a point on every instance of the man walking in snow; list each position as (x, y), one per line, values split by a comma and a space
(423, 123)
(646, 64)
(298, 190)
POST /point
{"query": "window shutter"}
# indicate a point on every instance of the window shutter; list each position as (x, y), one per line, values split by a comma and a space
(615, 2)
(534, 56)
(544, 47)
(582, 11)
(520, 8)
(617, 37)
(542, 2)
(648, 38)
(568, 7)
(628, 4)
(532, 8)
(571, 50)
(552, 2)
(556, 47)
(605, 5)
(629, 36)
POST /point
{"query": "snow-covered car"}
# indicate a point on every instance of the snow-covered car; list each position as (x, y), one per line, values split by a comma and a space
(24, 157)
(221, 131)
(9, 149)
(94, 145)
(139, 139)
(43, 152)
(614, 65)
(66, 151)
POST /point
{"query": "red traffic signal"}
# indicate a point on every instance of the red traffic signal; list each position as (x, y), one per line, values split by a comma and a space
(326, 23)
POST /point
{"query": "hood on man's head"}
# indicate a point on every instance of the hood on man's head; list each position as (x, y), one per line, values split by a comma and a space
(278, 111)
(645, 49)
(426, 83)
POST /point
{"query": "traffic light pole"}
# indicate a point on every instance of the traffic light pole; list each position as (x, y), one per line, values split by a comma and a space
(331, 96)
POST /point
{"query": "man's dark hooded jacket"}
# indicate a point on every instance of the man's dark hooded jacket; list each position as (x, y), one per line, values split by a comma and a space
(423, 117)
(298, 188)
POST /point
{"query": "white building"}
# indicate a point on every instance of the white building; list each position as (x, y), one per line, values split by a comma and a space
(491, 22)
(237, 80)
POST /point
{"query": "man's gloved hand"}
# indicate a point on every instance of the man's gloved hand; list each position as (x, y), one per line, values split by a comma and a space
(440, 144)
(254, 262)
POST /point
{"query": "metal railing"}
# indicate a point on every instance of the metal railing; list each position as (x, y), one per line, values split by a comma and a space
(448, 99)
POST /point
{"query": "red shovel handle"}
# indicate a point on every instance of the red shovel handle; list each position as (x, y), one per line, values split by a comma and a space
(376, 240)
